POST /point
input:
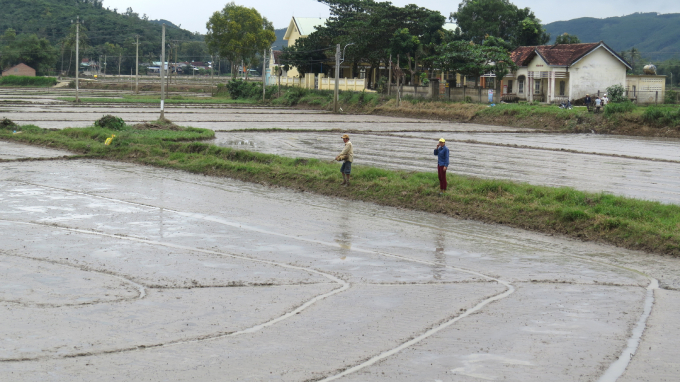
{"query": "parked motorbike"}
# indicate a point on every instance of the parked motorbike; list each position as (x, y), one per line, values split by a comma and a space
(566, 105)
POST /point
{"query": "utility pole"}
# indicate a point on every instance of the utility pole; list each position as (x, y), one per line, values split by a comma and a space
(163, 73)
(264, 77)
(77, 56)
(212, 66)
(337, 79)
(137, 67)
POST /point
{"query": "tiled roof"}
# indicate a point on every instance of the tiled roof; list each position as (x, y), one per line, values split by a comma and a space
(521, 54)
(559, 55)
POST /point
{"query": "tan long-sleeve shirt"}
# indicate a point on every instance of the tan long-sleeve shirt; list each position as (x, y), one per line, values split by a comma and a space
(348, 152)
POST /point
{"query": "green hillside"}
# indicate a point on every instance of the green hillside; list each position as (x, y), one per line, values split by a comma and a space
(657, 36)
(52, 19)
(279, 43)
(109, 31)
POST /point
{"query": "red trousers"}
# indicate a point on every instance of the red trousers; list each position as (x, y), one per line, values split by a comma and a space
(442, 177)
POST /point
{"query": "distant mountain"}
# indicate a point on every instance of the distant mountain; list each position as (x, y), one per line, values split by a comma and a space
(52, 19)
(167, 23)
(280, 42)
(657, 36)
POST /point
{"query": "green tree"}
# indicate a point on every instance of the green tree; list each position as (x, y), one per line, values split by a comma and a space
(8, 37)
(193, 51)
(474, 60)
(69, 44)
(616, 93)
(35, 52)
(238, 33)
(405, 44)
(634, 54)
(371, 26)
(567, 38)
(478, 19)
(307, 54)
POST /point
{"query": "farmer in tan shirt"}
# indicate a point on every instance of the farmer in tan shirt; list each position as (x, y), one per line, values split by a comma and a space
(347, 156)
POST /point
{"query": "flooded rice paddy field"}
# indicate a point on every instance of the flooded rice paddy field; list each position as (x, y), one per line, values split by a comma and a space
(113, 271)
(538, 163)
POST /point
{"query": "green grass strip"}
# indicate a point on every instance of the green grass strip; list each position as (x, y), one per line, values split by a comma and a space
(21, 81)
(621, 221)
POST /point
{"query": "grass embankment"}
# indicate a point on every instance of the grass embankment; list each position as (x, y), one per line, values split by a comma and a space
(21, 81)
(621, 221)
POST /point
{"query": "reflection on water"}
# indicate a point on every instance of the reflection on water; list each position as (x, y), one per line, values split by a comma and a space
(439, 256)
(344, 235)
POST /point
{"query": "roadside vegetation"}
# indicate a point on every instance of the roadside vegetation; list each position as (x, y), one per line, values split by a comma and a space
(27, 81)
(625, 222)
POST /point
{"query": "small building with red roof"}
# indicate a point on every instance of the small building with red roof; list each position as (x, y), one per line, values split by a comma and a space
(19, 70)
(556, 73)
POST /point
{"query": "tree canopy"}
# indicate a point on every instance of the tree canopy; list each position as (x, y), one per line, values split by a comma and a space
(375, 30)
(238, 33)
(470, 59)
(566, 38)
(499, 18)
(29, 49)
(54, 21)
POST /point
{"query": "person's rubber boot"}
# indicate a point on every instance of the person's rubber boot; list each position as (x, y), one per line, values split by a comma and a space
(344, 180)
(347, 183)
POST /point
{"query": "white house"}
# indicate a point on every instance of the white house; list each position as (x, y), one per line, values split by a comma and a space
(552, 73)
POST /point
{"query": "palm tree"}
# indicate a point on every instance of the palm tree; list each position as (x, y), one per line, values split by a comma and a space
(634, 54)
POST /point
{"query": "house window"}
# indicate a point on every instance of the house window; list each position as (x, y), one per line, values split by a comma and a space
(520, 85)
(509, 86)
(537, 87)
(562, 88)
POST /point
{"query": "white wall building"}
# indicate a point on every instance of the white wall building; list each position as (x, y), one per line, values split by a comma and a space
(555, 73)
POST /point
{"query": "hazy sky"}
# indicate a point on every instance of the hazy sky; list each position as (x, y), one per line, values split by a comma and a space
(193, 16)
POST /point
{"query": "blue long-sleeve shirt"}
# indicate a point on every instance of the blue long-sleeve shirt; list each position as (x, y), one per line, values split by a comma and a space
(442, 154)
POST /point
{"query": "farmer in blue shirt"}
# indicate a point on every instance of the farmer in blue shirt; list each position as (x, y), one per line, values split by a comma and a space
(442, 153)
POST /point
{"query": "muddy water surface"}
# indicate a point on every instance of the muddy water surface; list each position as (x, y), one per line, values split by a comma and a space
(638, 178)
(194, 277)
